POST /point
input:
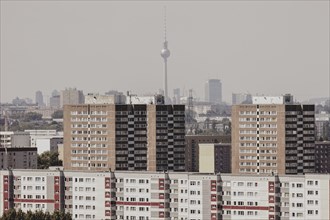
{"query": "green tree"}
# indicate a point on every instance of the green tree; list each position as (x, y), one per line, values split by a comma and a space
(12, 214)
(58, 114)
(47, 159)
(32, 116)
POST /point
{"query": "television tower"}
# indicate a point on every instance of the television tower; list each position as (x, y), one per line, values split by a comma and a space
(165, 53)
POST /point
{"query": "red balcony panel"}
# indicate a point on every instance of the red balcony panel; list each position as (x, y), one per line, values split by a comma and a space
(271, 187)
(213, 197)
(107, 204)
(107, 195)
(271, 199)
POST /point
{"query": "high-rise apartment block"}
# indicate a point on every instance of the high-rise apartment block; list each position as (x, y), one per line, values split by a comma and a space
(273, 135)
(71, 97)
(213, 91)
(124, 137)
(322, 157)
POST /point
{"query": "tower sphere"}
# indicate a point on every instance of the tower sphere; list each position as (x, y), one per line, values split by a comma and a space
(165, 53)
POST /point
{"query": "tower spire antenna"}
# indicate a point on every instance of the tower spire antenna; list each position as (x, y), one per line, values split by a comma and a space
(165, 24)
(165, 53)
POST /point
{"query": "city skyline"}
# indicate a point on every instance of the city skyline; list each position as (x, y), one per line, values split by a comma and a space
(266, 48)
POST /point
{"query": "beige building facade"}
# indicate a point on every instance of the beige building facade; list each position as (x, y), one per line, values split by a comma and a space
(124, 137)
(273, 138)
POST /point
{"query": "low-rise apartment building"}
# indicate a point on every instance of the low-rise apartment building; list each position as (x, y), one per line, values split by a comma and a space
(142, 195)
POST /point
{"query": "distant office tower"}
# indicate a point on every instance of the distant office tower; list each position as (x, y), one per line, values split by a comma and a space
(124, 137)
(213, 91)
(322, 157)
(192, 148)
(176, 96)
(55, 93)
(55, 101)
(240, 98)
(272, 135)
(19, 102)
(71, 97)
(28, 101)
(214, 158)
(39, 98)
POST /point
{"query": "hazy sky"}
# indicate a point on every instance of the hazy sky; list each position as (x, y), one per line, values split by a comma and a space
(264, 47)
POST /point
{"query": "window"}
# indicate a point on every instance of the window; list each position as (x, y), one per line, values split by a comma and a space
(310, 192)
(240, 212)
(310, 202)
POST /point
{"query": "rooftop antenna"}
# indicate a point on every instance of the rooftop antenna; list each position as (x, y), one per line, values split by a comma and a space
(6, 120)
(190, 107)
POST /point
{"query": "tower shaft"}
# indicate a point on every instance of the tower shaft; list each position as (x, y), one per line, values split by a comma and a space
(165, 53)
(165, 81)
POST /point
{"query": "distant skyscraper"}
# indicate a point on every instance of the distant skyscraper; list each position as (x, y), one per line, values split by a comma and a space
(39, 98)
(55, 101)
(176, 96)
(240, 98)
(72, 96)
(55, 93)
(213, 91)
(165, 53)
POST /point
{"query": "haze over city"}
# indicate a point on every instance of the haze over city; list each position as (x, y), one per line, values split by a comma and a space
(267, 48)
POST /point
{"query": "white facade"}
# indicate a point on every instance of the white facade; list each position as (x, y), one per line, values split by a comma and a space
(100, 99)
(86, 195)
(159, 195)
(285, 99)
(143, 99)
(14, 139)
(41, 139)
(32, 190)
(305, 197)
(5, 138)
(206, 158)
